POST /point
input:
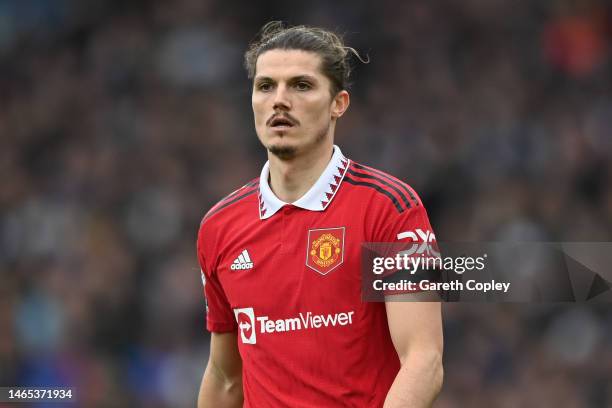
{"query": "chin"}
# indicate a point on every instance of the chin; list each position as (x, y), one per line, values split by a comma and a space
(282, 150)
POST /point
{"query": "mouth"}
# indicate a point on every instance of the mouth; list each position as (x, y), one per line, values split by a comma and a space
(281, 123)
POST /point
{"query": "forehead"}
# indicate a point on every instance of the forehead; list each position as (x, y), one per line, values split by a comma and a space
(288, 63)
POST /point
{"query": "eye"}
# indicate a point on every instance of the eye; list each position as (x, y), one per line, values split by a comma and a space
(264, 86)
(303, 86)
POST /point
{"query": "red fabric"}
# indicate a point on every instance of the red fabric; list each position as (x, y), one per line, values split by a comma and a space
(349, 363)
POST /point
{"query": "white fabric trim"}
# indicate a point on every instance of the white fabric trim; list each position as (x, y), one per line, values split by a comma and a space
(316, 199)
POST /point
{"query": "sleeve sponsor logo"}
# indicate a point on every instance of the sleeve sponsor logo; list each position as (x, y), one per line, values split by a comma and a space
(418, 235)
(424, 242)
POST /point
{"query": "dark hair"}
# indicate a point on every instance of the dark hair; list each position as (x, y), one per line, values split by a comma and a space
(328, 45)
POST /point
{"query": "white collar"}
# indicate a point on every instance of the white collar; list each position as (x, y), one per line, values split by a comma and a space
(316, 199)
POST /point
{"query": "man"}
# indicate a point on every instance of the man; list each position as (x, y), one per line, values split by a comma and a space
(281, 256)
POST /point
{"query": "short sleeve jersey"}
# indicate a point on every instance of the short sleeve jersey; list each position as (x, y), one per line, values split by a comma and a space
(287, 279)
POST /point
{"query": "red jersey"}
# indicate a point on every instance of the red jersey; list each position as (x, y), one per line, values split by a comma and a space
(287, 279)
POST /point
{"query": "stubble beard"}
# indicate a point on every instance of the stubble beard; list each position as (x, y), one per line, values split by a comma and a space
(283, 152)
(291, 152)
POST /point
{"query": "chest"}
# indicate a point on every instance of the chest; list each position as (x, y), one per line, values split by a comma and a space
(296, 260)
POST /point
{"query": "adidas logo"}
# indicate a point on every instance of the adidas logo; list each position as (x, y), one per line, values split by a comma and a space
(242, 262)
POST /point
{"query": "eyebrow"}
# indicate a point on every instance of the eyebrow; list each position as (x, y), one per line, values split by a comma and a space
(292, 79)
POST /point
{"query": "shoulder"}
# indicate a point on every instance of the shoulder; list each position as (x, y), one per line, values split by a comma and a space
(384, 190)
(393, 208)
(227, 207)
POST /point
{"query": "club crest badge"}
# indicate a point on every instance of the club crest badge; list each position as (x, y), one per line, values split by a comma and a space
(325, 249)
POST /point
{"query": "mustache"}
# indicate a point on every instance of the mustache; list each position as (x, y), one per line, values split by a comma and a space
(285, 116)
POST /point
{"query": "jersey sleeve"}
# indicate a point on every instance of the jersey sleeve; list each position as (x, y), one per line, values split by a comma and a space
(219, 314)
(409, 226)
(409, 233)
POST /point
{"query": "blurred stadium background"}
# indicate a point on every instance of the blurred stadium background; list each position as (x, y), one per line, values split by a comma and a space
(122, 122)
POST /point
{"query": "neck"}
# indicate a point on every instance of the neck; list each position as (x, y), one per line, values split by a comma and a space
(291, 179)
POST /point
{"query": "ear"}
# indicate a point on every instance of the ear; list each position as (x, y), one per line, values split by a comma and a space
(340, 104)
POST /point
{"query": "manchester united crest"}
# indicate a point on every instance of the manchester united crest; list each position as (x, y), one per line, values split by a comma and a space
(325, 250)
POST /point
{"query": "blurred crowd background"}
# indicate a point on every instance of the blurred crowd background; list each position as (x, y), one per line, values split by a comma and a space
(123, 122)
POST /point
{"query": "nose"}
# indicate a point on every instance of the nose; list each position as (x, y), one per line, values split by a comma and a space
(281, 99)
